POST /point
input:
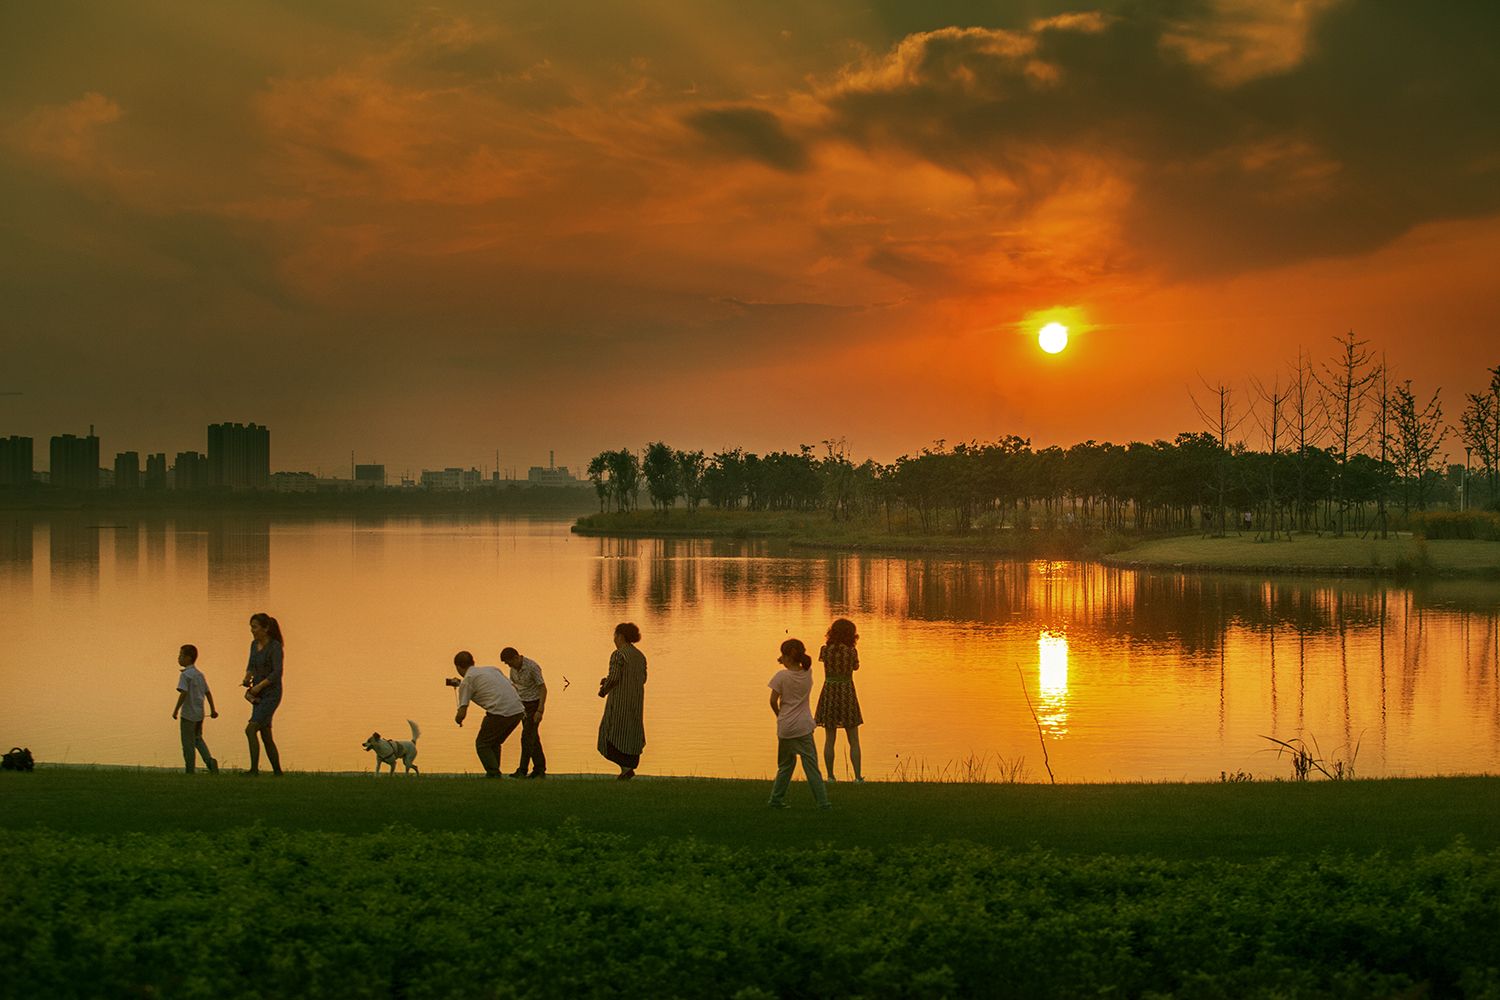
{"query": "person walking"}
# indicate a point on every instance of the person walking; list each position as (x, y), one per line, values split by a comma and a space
(791, 689)
(492, 691)
(526, 675)
(192, 690)
(838, 703)
(622, 730)
(262, 685)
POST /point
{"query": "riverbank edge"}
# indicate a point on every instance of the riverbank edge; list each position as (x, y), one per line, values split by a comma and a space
(1127, 556)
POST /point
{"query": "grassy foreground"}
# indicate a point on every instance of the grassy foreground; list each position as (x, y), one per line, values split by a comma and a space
(124, 883)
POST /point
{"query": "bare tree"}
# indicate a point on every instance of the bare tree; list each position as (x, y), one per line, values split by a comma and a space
(1219, 416)
(1271, 417)
(1306, 424)
(1382, 432)
(1344, 386)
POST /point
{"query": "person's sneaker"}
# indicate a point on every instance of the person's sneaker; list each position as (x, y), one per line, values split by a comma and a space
(249, 774)
(518, 774)
(859, 781)
(537, 774)
(626, 774)
(777, 805)
(213, 766)
(830, 778)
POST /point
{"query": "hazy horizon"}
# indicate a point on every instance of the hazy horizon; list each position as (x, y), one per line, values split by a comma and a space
(427, 234)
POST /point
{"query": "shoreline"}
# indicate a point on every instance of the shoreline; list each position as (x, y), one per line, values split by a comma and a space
(569, 777)
(1401, 557)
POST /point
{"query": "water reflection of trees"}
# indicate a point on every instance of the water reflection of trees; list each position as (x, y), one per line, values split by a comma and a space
(1187, 611)
(679, 572)
(1190, 611)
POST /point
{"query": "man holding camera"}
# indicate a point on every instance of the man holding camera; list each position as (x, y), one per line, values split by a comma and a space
(492, 691)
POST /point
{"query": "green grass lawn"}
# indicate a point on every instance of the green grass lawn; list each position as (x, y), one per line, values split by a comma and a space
(145, 883)
(1309, 553)
(1178, 821)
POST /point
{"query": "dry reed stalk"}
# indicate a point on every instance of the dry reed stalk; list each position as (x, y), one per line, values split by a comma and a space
(1047, 763)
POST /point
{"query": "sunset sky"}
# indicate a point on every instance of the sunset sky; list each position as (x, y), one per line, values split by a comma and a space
(425, 232)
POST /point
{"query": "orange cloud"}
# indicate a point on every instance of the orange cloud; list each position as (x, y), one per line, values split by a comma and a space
(69, 135)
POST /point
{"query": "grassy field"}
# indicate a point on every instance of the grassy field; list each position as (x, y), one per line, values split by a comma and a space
(1399, 556)
(148, 883)
(1224, 821)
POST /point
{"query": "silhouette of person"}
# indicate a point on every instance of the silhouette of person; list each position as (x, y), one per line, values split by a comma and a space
(192, 690)
(492, 691)
(838, 703)
(262, 685)
(526, 675)
(791, 688)
(622, 730)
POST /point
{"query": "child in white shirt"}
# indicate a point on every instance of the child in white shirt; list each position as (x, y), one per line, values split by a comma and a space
(192, 690)
(791, 689)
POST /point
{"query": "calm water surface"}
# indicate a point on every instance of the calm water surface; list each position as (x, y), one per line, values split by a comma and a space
(1132, 675)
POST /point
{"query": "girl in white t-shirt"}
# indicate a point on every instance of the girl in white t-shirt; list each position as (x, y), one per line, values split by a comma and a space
(791, 689)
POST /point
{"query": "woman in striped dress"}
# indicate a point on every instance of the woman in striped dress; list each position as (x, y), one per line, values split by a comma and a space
(622, 731)
(838, 704)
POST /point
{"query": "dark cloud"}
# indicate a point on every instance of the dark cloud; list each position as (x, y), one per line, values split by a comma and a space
(1238, 156)
(753, 133)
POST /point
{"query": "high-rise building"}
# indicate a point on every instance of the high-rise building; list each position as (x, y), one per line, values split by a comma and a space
(369, 477)
(128, 470)
(75, 461)
(15, 461)
(190, 471)
(239, 456)
(156, 471)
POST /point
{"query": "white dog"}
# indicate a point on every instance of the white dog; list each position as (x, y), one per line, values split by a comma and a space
(390, 751)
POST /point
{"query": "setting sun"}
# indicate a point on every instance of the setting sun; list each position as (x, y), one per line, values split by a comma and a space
(1053, 338)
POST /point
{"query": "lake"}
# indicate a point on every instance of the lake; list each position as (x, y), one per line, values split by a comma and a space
(969, 667)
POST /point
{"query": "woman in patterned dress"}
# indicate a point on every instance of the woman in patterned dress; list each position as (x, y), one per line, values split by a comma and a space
(622, 731)
(838, 704)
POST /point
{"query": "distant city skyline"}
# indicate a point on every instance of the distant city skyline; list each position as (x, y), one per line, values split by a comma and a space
(425, 233)
(232, 454)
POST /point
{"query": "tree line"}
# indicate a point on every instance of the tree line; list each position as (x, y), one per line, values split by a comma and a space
(1338, 445)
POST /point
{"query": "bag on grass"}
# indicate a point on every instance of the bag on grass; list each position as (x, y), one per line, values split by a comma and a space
(18, 759)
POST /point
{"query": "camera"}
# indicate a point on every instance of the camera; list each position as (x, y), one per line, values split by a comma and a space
(452, 682)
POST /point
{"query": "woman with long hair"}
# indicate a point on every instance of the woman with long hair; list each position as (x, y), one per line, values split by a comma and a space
(838, 703)
(262, 685)
(622, 731)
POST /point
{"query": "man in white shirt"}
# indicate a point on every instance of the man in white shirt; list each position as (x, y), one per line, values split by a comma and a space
(526, 675)
(492, 691)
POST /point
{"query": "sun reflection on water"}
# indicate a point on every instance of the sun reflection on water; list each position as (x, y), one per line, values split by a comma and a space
(1052, 681)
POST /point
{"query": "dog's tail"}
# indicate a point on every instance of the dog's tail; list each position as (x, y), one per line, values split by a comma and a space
(415, 732)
